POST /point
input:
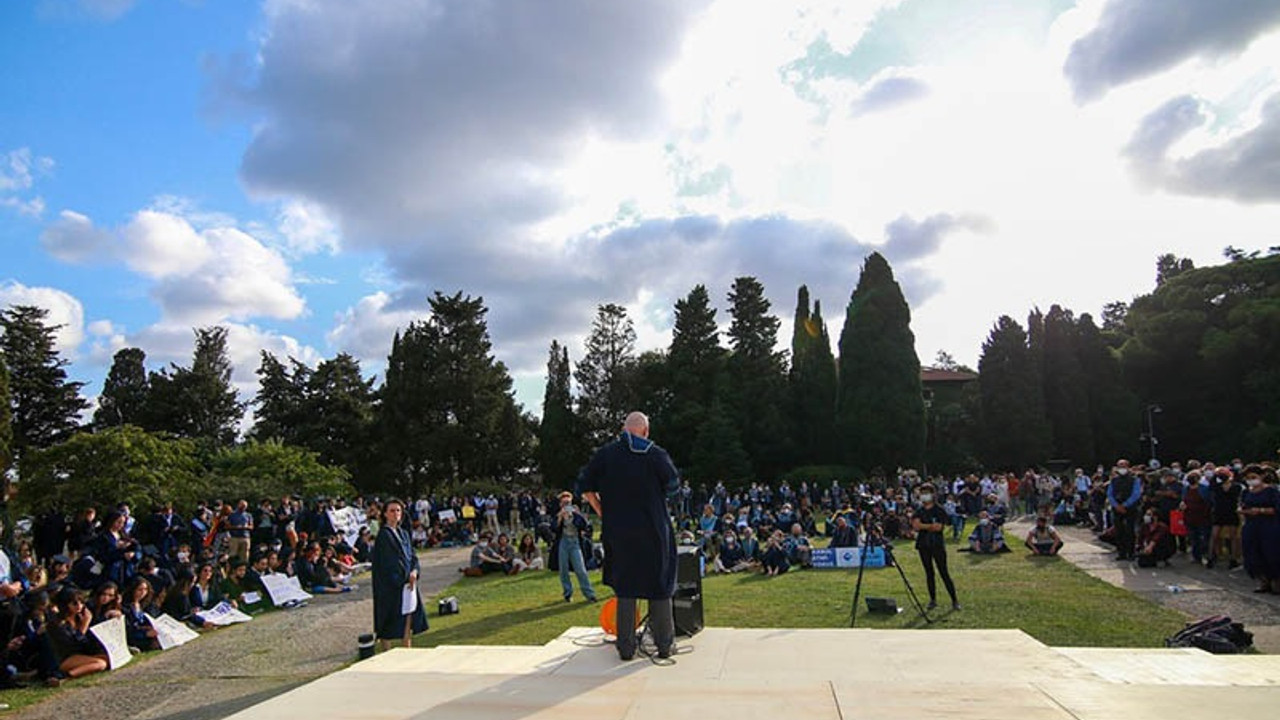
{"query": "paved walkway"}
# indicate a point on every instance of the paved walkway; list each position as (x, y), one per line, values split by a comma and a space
(1200, 590)
(228, 670)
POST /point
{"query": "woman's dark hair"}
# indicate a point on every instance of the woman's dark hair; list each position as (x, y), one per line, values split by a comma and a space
(65, 597)
(132, 586)
(389, 503)
(111, 519)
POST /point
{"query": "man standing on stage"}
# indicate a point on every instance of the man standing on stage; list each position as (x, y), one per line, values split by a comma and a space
(627, 482)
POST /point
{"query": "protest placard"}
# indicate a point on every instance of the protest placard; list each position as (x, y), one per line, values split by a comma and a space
(284, 589)
(347, 522)
(170, 633)
(222, 614)
(112, 636)
(446, 516)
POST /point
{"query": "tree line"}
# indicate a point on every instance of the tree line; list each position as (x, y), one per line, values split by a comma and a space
(1193, 364)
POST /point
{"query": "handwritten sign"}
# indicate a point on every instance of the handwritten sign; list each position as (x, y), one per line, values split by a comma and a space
(347, 522)
(446, 516)
(112, 636)
(222, 614)
(171, 633)
(284, 589)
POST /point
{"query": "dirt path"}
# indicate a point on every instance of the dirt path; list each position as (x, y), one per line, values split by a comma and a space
(1200, 591)
(228, 670)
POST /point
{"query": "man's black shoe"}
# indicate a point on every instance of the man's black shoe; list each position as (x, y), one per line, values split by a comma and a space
(626, 652)
(664, 653)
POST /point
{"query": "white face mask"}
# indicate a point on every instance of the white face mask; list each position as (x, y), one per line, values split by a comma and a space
(484, 543)
(1122, 471)
(1255, 483)
(984, 521)
(926, 497)
(1149, 518)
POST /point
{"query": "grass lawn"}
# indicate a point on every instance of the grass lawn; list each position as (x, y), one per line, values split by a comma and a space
(1048, 598)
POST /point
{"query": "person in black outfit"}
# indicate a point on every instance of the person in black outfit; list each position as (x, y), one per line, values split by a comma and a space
(928, 521)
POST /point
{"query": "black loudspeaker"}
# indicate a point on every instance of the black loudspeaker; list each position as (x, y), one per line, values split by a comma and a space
(687, 603)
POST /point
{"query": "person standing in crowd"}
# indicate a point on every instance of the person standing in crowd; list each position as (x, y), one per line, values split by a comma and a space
(1260, 537)
(570, 527)
(1225, 500)
(627, 483)
(1123, 494)
(395, 575)
(1197, 513)
(239, 531)
(928, 521)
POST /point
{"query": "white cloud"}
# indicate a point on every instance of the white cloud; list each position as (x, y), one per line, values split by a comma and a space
(366, 329)
(64, 311)
(161, 244)
(19, 170)
(307, 228)
(173, 343)
(74, 238)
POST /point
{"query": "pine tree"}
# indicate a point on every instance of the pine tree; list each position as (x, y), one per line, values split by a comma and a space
(561, 446)
(694, 363)
(757, 379)
(880, 404)
(717, 454)
(605, 374)
(1113, 409)
(6, 425)
(124, 393)
(279, 405)
(337, 414)
(812, 385)
(1015, 429)
(44, 406)
(198, 402)
(1066, 394)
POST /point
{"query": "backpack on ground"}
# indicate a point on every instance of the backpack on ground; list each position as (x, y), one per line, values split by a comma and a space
(1216, 634)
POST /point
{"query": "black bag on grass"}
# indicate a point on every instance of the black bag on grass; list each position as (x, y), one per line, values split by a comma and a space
(1215, 634)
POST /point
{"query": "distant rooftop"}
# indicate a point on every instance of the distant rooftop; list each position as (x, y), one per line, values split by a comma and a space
(933, 374)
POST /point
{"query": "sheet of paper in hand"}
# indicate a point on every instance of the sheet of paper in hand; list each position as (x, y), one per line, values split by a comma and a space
(409, 600)
(171, 633)
(284, 589)
(223, 614)
(112, 636)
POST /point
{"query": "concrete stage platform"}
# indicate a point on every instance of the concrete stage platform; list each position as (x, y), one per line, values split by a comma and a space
(792, 674)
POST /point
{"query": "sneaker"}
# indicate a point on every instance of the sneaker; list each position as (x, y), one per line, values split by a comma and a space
(664, 653)
(626, 652)
(1233, 565)
(591, 599)
(568, 598)
(931, 606)
(955, 606)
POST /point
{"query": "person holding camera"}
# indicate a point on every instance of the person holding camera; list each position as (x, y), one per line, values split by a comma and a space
(628, 482)
(928, 521)
(570, 527)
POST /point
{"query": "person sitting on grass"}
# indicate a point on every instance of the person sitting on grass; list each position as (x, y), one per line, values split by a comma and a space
(505, 550)
(986, 538)
(732, 557)
(1155, 543)
(775, 555)
(1043, 538)
(528, 556)
(799, 551)
(484, 558)
(844, 534)
(205, 592)
(310, 570)
(137, 606)
(76, 652)
(104, 603)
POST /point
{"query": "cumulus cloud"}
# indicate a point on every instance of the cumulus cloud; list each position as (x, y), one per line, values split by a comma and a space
(64, 309)
(365, 330)
(889, 92)
(1137, 38)
(167, 343)
(307, 228)
(1245, 167)
(201, 274)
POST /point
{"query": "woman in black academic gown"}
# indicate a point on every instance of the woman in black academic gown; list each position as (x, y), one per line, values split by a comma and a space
(395, 567)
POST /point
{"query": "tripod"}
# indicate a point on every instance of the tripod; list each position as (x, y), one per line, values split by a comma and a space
(889, 560)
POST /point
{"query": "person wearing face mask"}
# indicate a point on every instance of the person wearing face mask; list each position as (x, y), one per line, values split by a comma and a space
(1260, 538)
(1043, 538)
(928, 521)
(1197, 512)
(1225, 501)
(1123, 494)
(1155, 543)
(986, 538)
(484, 558)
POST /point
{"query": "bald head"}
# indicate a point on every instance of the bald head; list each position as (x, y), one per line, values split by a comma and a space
(637, 423)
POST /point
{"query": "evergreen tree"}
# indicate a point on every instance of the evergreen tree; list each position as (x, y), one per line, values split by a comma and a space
(1113, 411)
(561, 446)
(880, 405)
(1066, 392)
(6, 426)
(717, 453)
(605, 374)
(1170, 266)
(757, 379)
(337, 414)
(44, 406)
(694, 362)
(198, 402)
(813, 385)
(279, 405)
(1015, 429)
(124, 393)
(447, 413)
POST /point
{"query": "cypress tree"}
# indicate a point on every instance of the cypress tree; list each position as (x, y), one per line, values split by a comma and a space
(6, 425)
(124, 393)
(1113, 409)
(717, 453)
(1066, 393)
(561, 448)
(1015, 430)
(812, 385)
(337, 413)
(605, 374)
(880, 404)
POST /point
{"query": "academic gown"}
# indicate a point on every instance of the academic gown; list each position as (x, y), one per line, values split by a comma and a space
(393, 560)
(633, 477)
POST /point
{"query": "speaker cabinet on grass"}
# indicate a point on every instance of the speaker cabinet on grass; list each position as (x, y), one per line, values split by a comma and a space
(687, 602)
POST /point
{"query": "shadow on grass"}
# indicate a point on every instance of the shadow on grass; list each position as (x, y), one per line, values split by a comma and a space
(465, 632)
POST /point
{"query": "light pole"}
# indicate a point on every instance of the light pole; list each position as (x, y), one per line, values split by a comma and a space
(1152, 411)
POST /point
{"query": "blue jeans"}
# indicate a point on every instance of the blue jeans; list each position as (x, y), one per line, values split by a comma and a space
(1199, 540)
(569, 555)
(957, 525)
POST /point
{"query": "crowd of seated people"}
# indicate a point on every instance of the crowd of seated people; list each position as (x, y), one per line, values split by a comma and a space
(73, 573)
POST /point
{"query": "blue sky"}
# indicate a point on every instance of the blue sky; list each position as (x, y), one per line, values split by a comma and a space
(308, 172)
